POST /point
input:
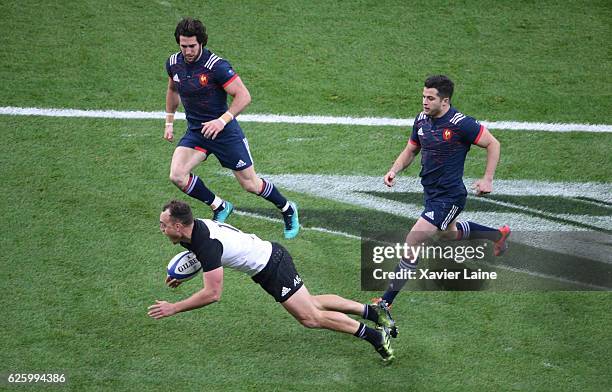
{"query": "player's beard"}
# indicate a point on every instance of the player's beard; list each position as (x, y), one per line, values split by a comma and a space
(195, 57)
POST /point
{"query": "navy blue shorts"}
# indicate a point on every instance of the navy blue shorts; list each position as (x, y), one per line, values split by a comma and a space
(231, 149)
(441, 213)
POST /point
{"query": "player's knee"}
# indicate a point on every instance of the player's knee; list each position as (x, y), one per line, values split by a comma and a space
(179, 179)
(309, 322)
(310, 318)
(317, 303)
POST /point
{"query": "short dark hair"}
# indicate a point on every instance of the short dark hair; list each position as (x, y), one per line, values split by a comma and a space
(189, 27)
(179, 211)
(442, 83)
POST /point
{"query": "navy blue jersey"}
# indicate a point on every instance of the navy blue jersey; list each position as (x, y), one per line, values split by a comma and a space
(444, 144)
(201, 87)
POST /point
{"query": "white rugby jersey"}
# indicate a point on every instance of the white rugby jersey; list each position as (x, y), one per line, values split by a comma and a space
(219, 244)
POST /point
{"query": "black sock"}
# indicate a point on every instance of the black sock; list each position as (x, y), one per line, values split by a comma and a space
(369, 313)
(370, 334)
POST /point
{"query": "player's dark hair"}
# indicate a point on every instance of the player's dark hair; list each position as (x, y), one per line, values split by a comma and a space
(189, 27)
(442, 83)
(179, 211)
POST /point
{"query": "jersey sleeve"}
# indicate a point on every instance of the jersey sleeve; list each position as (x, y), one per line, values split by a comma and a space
(471, 130)
(223, 73)
(414, 137)
(207, 250)
(209, 254)
(168, 70)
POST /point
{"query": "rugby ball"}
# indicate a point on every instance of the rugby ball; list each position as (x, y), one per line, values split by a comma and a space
(184, 266)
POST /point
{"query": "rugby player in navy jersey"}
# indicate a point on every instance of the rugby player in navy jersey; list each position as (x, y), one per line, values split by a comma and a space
(201, 80)
(218, 245)
(444, 135)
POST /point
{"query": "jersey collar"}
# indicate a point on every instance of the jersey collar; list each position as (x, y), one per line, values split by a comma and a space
(449, 113)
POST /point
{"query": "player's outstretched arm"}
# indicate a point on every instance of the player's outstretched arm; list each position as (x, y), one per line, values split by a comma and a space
(488, 141)
(213, 286)
(403, 160)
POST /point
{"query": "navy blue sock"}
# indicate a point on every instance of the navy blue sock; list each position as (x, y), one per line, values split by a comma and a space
(396, 284)
(196, 189)
(369, 313)
(269, 192)
(370, 334)
(473, 231)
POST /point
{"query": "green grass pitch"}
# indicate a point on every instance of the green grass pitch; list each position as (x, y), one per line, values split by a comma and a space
(82, 256)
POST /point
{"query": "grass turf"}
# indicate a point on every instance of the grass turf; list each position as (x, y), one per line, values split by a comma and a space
(83, 210)
(82, 257)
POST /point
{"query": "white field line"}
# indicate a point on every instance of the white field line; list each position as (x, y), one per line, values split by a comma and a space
(602, 222)
(285, 119)
(595, 203)
(548, 276)
(318, 229)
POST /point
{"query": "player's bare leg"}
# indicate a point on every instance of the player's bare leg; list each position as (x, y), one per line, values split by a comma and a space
(248, 179)
(422, 231)
(303, 307)
(184, 160)
(337, 303)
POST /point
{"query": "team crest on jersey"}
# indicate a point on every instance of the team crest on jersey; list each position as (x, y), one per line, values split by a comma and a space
(447, 134)
(203, 80)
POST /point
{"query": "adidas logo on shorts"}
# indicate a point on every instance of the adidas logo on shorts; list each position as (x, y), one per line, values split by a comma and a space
(240, 164)
(285, 291)
(430, 215)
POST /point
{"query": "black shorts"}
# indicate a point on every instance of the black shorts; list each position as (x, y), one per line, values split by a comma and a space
(279, 277)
